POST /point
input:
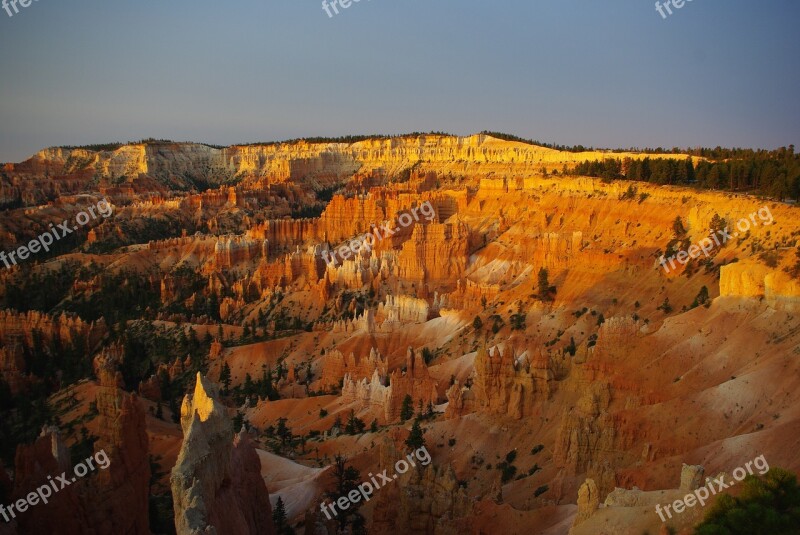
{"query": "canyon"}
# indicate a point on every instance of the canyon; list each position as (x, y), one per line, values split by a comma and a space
(562, 380)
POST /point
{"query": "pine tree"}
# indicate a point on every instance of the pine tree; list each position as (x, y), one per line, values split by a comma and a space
(544, 285)
(718, 224)
(702, 298)
(690, 176)
(571, 348)
(416, 439)
(337, 423)
(350, 426)
(347, 479)
(407, 410)
(213, 307)
(225, 378)
(279, 517)
(283, 431)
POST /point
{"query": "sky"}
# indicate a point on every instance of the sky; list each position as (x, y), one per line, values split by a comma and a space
(597, 73)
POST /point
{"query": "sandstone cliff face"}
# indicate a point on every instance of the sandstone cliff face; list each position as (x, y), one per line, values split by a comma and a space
(19, 332)
(415, 382)
(230, 251)
(216, 483)
(435, 256)
(368, 394)
(751, 279)
(48, 456)
(120, 504)
(319, 163)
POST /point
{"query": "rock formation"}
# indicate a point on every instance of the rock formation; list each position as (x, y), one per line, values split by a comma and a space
(216, 483)
(415, 381)
(586, 436)
(402, 309)
(110, 500)
(460, 401)
(425, 500)
(509, 385)
(67, 329)
(232, 250)
(588, 501)
(336, 366)
(12, 367)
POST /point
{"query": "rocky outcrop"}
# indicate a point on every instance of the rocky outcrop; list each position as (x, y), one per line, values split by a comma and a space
(107, 500)
(67, 329)
(216, 483)
(150, 388)
(434, 257)
(460, 401)
(402, 309)
(588, 501)
(426, 500)
(106, 366)
(586, 436)
(691, 477)
(633, 510)
(510, 385)
(752, 279)
(368, 394)
(121, 502)
(49, 456)
(232, 250)
(415, 382)
(12, 368)
(336, 366)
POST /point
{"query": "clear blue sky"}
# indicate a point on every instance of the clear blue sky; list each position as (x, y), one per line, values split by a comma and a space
(601, 73)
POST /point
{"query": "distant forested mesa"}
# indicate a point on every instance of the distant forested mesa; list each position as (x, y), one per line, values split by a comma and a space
(771, 173)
